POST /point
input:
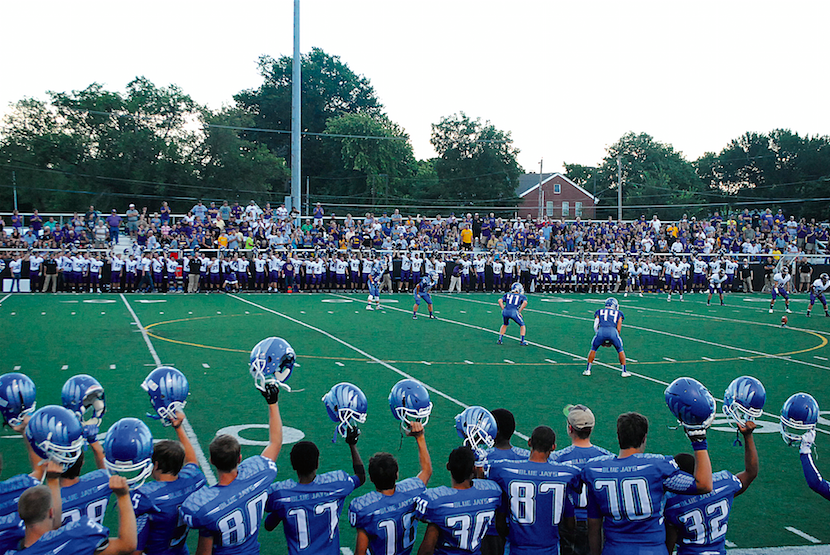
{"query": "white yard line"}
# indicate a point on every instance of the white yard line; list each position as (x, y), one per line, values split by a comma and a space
(804, 535)
(4, 298)
(188, 429)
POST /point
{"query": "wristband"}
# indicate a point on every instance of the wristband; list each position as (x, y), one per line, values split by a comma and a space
(699, 445)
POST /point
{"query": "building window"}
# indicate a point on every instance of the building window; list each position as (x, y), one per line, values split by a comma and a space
(549, 208)
(557, 188)
(566, 209)
(578, 209)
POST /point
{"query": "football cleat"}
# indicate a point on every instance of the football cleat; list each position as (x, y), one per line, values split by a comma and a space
(346, 405)
(168, 390)
(272, 361)
(798, 415)
(128, 451)
(691, 403)
(744, 400)
(84, 395)
(55, 434)
(17, 397)
(409, 402)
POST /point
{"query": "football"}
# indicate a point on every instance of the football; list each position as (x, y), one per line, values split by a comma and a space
(783, 320)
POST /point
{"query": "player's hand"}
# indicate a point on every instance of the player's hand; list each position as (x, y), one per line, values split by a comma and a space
(415, 429)
(178, 419)
(91, 433)
(807, 441)
(20, 428)
(696, 436)
(119, 486)
(53, 470)
(747, 429)
(352, 433)
(271, 392)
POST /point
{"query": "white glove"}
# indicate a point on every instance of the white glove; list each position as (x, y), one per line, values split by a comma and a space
(807, 441)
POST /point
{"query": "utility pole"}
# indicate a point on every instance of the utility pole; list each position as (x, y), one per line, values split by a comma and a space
(619, 189)
(14, 186)
(539, 215)
(296, 157)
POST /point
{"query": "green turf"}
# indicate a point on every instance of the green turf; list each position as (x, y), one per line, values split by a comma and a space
(190, 331)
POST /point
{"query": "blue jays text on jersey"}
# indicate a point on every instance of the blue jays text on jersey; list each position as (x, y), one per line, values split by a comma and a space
(82, 537)
(389, 520)
(88, 497)
(311, 512)
(231, 514)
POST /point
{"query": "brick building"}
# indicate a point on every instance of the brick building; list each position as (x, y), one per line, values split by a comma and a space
(561, 198)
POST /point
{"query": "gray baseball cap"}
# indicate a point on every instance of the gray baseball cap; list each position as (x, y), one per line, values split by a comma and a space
(580, 416)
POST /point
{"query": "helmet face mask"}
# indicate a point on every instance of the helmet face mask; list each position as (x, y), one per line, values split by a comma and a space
(168, 390)
(477, 427)
(17, 398)
(272, 361)
(84, 395)
(409, 402)
(128, 451)
(346, 406)
(55, 434)
(744, 400)
(798, 416)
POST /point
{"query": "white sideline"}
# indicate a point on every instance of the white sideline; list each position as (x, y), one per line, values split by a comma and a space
(791, 550)
(361, 351)
(188, 429)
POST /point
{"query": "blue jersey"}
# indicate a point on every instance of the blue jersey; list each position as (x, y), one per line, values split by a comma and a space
(83, 537)
(578, 456)
(513, 301)
(539, 495)
(311, 512)
(89, 497)
(425, 284)
(160, 527)
(11, 490)
(629, 494)
(12, 531)
(388, 520)
(701, 520)
(813, 476)
(377, 272)
(512, 454)
(461, 515)
(609, 317)
(231, 514)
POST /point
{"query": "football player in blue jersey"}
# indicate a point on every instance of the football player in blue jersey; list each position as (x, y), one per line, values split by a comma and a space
(385, 519)
(228, 514)
(626, 492)
(539, 493)
(457, 517)
(608, 326)
(12, 529)
(40, 506)
(310, 506)
(375, 278)
(811, 473)
(581, 422)
(512, 304)
(86, 495)
(493, 542)
(177, 475)
(421, 292)
(697, 523)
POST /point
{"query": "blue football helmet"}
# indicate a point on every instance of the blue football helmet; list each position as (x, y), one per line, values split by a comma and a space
(433, 275)
(17, 397)
(611, 302)
(83, 395)
(272, 361)
(128, 451)
(798, 416)
(168, 391)
(346, 405)
(517, 288)
(691, 403)
(477, 427)
(409, 402)
(744, 400)
(55, 434)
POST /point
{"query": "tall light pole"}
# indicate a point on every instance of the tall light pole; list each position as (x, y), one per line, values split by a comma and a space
(619, 189)
(296, 155)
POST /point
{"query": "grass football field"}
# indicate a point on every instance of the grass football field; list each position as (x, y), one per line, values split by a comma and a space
(209, 337)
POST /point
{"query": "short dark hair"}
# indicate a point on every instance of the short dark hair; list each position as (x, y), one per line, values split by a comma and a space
(632, 428)
(75, 470)
(33, 506)
(581, 433)
(170, 456)
(542, 439)
(224, 453)
(305, 457)
(461, 464)
(383, 471)
(686, 462)
(505, 423)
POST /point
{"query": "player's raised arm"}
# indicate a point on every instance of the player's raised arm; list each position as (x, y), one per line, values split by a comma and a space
(127, 539)
(811, 473)
(416, 430)
(352, 435)
(189, 451)
(271, 393)
(751, 462)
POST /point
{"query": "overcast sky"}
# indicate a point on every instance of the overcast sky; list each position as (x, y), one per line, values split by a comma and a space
(567, 79)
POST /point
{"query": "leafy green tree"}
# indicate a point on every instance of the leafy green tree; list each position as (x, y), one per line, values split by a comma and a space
(476, 162)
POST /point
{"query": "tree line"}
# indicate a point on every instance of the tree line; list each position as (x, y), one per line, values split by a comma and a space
(150, 142)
